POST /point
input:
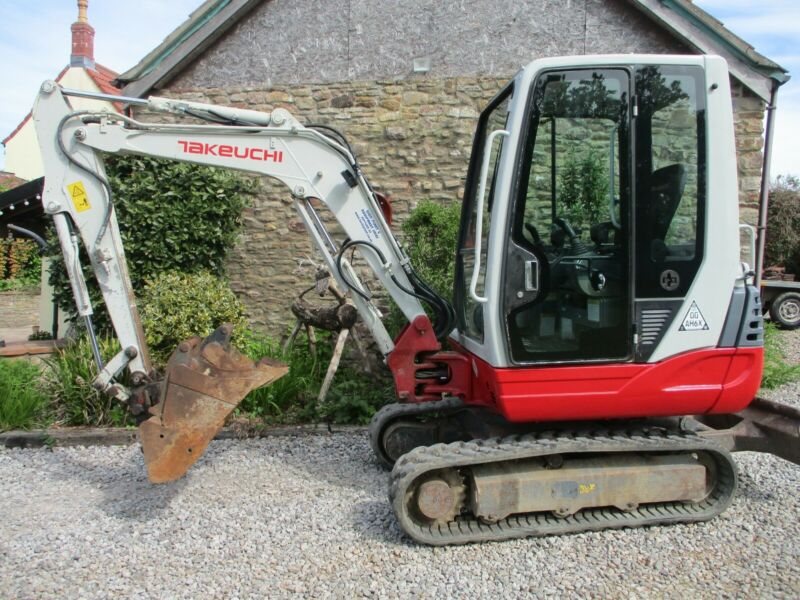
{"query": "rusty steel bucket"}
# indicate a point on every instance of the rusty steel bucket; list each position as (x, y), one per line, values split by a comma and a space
(204, 381)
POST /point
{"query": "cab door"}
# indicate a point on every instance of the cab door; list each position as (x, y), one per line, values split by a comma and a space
(482, 218)
(567, 295)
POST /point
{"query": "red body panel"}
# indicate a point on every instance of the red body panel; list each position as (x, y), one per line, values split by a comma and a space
(712, 380)
(417, 355)
(717, 380)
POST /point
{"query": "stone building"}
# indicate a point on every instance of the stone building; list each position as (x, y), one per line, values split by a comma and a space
(405, 81)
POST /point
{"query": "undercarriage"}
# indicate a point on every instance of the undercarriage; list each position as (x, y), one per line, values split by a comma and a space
(463, 475)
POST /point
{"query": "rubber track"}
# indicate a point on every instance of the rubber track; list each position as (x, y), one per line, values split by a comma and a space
(391, 412)
(466, 529)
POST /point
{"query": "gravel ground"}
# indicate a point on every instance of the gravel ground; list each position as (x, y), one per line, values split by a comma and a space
(308, 516)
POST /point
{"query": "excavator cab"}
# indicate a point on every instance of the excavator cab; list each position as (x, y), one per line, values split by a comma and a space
(586, 234)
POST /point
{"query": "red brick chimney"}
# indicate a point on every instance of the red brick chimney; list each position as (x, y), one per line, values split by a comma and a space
(82, 39)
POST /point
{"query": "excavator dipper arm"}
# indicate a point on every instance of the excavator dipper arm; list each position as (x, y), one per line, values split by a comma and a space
(204, 380)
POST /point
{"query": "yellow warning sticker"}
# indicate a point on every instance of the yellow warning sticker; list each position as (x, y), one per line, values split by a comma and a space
(79, 196)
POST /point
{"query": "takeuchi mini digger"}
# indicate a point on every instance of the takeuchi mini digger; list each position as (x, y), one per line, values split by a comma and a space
(598, 362)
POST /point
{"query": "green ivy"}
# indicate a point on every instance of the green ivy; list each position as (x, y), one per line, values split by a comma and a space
(172, 217)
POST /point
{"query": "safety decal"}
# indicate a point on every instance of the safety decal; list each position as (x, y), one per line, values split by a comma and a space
(368, 224)
(694, 320)
(77, 192)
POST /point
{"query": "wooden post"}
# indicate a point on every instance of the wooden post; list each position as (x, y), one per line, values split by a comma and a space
(290, 341)
(333, 366)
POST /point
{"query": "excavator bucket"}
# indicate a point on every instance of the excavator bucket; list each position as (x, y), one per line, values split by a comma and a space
(204, 381)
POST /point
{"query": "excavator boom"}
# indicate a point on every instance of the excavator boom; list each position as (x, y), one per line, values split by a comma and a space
(182, 409)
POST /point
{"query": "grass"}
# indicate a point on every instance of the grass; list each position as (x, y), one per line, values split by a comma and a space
(353, 397)
(777, 371)
(68, 381)
(23, 403)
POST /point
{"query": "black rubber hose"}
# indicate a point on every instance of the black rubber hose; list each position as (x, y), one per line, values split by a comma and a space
(444, 314)
(31, 234)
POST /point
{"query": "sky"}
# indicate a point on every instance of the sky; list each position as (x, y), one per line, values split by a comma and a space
(35, 45)
(35, 41)
(771, 26)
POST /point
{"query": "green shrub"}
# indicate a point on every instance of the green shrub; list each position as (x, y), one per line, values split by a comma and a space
(23, 404)
(777, 371)
(430, 238)
(176, 216)
(783, 225)
(177, 306)
(68, 382)
(172, 217)
(583, 187)
(20, 264)
(355, 397)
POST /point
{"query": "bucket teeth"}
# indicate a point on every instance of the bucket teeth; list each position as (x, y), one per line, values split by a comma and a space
(204, 381)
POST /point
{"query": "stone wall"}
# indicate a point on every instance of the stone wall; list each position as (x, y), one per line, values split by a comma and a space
(413, 139)
(748, 119)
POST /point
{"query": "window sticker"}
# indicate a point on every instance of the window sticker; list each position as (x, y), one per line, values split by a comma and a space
(694, 320)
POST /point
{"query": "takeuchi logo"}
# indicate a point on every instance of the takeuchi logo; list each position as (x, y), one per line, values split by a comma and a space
(228, 151)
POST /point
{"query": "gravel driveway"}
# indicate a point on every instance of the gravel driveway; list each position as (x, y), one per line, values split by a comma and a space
(308, 516)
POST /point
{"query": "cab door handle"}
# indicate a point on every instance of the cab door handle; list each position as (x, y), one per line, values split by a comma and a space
(487, 152)
(532, 275)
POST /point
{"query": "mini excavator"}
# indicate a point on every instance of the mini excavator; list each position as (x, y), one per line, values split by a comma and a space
(600, 358)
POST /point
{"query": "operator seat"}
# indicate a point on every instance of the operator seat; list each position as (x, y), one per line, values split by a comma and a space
(666, 190)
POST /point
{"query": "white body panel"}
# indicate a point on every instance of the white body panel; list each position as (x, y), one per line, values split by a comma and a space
(720, 269)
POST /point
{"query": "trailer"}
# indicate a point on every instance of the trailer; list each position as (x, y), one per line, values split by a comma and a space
(782, 300)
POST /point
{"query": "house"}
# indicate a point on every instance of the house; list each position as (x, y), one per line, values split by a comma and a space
(82, 73)
(20, 201)
(405, 82)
